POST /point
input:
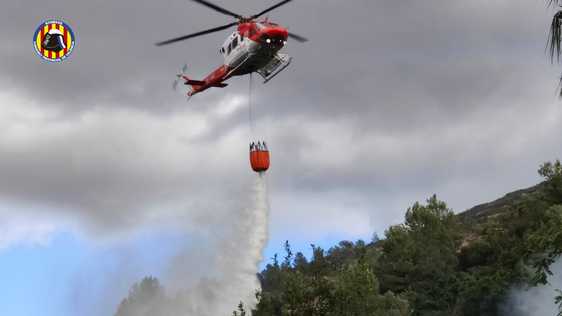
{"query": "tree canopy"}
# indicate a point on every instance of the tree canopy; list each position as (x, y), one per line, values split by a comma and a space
(435, 263)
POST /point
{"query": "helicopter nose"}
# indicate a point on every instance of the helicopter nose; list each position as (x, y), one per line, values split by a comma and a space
(275, 32)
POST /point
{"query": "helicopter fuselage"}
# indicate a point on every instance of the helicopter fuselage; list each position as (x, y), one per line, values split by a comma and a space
(250, 48)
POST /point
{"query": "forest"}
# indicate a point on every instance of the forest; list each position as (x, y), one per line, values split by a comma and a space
(435, 263)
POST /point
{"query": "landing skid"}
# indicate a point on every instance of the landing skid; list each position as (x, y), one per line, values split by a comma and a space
(275, 66)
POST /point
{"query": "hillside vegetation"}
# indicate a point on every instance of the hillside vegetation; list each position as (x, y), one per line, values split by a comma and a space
(435, 263)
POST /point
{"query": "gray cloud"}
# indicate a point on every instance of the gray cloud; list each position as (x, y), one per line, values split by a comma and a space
(389, 102)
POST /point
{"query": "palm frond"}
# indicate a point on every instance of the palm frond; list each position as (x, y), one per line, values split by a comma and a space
(555, 37)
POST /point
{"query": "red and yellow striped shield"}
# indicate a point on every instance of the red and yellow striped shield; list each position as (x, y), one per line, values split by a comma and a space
(54, 40)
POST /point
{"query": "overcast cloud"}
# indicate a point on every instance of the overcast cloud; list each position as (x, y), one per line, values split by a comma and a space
(389, 102)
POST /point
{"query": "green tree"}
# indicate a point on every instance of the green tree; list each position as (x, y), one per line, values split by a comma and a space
(546, 240)
(419, 258)
(146, 298)
(433, 264)
(545, 243)
(527, 232)
(356, 293)
(241, 310)
(337, 282)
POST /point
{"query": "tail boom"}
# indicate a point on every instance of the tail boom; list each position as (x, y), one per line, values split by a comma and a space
(214, 79)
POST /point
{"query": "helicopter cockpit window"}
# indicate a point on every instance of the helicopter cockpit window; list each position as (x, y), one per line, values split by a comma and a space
(235, 42)
(229, 48)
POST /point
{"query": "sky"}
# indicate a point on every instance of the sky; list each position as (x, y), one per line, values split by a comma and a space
(107, 173)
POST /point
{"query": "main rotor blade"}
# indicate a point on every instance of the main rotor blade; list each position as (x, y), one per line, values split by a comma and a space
(271, 8)
(181, 38)
(298, 38)
(217, 8)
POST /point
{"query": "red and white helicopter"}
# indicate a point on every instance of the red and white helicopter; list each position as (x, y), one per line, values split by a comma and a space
(253, 47)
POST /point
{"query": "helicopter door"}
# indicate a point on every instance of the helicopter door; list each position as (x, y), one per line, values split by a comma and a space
(237, 55)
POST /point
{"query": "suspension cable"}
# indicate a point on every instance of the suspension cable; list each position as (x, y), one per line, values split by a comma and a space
(250, 114)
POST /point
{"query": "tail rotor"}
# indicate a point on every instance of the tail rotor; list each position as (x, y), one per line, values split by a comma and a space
(179, 76)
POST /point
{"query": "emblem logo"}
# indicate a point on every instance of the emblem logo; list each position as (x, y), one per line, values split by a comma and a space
(54, 40)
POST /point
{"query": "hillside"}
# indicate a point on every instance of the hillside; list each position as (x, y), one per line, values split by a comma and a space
(480, 213)
(434, 264)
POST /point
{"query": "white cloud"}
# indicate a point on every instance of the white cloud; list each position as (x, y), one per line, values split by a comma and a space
(22, 225)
